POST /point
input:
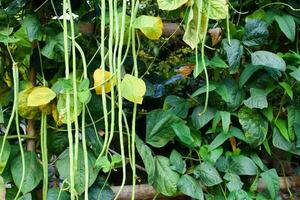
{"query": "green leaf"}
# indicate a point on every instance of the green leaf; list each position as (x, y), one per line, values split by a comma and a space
(202, 90)
(2, 188)
(234, 53)
(225, 116)
(256, 32)
(61, 109)
(199, 121)
(230, 92)
(54, 193)
(208, 174)
(150, 26)
(287, 26)
(166, 179)
(287, 88)
(63, 166)
(293, 119)
(177, 105)
(54, 48)
(33, 27)
(84, 93)
(217, 62)
(247, 73)
(33, 171)
(177, 163)
(258, 161)
(242, 165)
(296, 74)
(40, 96)
(280, 142)
(258, 99)
(1, 115)
(218, 9)
(268, 59)
(271, 180)
(170, 4)
(5, 154)
(282, 127)
(100, 190)
(222, 137)
(159, 131)
(210, 155)
(103, 163)
(189, 186)
(183, 133)
(133, 89)
(234, 182)
(254, 125)
(147, 157)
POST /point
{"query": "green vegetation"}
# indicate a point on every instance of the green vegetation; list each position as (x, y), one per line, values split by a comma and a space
(194, 97)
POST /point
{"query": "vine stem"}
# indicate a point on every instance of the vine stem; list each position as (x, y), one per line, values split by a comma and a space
(43, 134)
(120, 101)
(16, 97)
(69, 126)
(85, 151)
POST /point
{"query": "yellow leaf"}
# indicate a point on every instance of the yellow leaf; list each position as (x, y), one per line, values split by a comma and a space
(40, 96)
(133, 89)
(150, 26)
(99, 82)
(26, 111)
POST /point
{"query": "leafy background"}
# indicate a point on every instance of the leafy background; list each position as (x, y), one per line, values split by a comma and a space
(248, 133)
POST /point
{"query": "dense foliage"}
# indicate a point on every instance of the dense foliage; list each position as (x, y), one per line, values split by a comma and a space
(92, 91)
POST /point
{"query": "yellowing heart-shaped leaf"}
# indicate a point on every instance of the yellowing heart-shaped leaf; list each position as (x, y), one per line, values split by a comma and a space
(99, 82)
(133, 89)
(150, 26)
(40, 96)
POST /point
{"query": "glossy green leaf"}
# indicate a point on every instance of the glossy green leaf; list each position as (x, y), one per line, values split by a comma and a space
(5, 154)
(54, 193)
(84, 93)
(242, 165)
(177, 105)
(234, 53)
(254, 125)
(234, 182)
(199, 121)
(190, 186)
(282, 127)
(150, 26)
(287, 25)
(33, 27)
(217, 62)
(271, 180)
(257, 99)
(159, 131)
(208, 174)
(177, 163)
(256, 32)
(287, 88)
(296, 74)
(147, 157)
(166, 179)
(103, 163)
(63, 167)
(225, 116)
(183, 132)
(100, 190)
(170, 4)
(268, 59)
(33, 171)
(133, 89)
